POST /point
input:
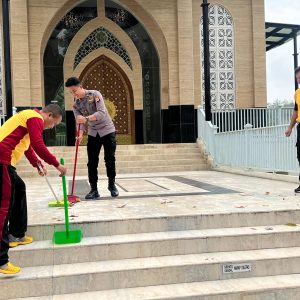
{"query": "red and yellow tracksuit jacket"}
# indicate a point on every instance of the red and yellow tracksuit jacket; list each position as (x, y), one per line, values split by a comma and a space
(23, 134)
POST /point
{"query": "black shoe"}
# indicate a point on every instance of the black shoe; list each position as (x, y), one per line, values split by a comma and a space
(112, 188)
(297, 190)
(93, 194)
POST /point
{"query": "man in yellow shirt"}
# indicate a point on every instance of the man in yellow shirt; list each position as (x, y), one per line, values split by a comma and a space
(21, 134)
(296, 119)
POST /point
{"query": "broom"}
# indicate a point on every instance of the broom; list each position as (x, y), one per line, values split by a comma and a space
(56, 203)
(73, 198)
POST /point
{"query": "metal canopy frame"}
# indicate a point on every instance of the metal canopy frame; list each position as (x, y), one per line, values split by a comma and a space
(278, 34)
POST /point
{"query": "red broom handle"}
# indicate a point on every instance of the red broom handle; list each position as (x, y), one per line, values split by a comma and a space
(75, 160)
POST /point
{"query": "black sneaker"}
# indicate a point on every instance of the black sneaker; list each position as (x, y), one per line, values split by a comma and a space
(112, 188)
(297, 190)
(93, 194)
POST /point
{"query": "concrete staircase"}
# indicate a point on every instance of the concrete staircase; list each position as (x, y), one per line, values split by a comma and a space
(130, 159)
(171, 257)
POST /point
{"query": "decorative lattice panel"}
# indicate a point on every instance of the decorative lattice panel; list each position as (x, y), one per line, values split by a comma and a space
(101, 38)
(104, 76)
(222, 72)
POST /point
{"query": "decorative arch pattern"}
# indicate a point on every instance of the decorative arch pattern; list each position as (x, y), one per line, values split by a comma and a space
(101, 37)
(222, 65)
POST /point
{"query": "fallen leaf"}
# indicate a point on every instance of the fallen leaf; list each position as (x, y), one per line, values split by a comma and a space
(166, 201)
(73, 216)
(291, 224)
(56, 219)
(269, 228)
(240, 206)
(253, 228)
(121, 206)
(194, 206)
(267, 193)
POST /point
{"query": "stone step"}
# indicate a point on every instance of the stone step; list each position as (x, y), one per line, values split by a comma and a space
(280, 287)
(156, 244)
(136, 146)
(140, 272)
(83, 151)
(137, 163)
(161, 223)
(31, 172)
(133, 151)
(127, 157)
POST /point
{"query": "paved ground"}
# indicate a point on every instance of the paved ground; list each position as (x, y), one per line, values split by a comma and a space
(164, 194)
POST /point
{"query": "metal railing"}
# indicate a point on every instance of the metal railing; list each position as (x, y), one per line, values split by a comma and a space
(264, 148)
(60, 140)
(231, 120)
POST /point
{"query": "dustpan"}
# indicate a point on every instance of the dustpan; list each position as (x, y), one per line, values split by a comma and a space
(68, 236)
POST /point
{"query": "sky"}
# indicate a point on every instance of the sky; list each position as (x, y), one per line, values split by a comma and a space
(280, 62)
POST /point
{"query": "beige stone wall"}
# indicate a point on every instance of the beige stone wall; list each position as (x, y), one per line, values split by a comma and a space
(185, 51)
(248, 16)
(167, 22)
(164, 13)
(20, 53)
(197, 12)
(259, 53)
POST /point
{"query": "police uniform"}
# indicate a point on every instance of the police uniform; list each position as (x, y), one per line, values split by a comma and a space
(100, 132)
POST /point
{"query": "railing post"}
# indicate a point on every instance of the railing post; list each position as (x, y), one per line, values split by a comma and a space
(212, 160)
(247, 143)
(279, 115)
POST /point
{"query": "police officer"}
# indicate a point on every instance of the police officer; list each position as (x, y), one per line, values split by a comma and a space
(89, 108)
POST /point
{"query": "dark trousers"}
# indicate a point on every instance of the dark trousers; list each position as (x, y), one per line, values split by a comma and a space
(94, 146)
(13, 208)
(298, 145)
(18, 219)
(7, 188)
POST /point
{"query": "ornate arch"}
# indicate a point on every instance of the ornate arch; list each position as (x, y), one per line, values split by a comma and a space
(135, 73)
(141, 14)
